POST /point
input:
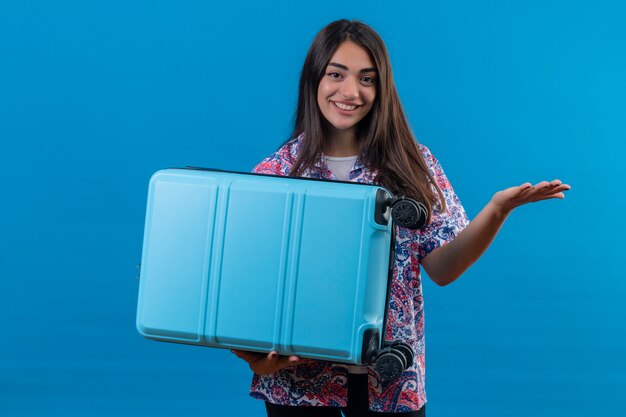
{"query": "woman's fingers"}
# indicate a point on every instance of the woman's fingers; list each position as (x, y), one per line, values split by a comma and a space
(545, 190)
(240, 353)
(564, 187)
(555, 189)
(547, 197)
(279, 362)
(297, 360)
(527, 193)
(249, 357)
(545, 185)
(524, 188)
(559, 189)
(554, 186)
(269, 363)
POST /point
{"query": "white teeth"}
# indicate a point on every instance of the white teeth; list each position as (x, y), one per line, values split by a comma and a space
(344, 106)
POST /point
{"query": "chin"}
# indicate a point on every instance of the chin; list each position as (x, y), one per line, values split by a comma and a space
(344, 125)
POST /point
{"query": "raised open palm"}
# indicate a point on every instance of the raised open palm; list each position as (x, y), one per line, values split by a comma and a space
(507, 200)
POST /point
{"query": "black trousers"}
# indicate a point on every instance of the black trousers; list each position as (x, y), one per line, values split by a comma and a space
(358, 405)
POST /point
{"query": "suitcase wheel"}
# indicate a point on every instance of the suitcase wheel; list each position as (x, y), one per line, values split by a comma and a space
(390, 364)
(409, 213)
(406, 351)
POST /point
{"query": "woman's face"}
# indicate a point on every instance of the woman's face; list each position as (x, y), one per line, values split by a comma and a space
(347, 90)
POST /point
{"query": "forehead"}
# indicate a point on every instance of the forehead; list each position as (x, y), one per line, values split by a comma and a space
(352, 55)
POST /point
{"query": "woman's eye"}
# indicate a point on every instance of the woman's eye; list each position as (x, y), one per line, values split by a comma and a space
(334, 75)
(367, 80)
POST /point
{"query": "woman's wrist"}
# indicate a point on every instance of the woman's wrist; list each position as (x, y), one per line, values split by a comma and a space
(498, 209)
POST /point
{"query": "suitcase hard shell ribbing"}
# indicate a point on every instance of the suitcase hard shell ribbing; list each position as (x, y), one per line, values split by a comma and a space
(256, 262)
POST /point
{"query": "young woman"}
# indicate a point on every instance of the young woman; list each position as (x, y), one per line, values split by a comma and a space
(350, 125)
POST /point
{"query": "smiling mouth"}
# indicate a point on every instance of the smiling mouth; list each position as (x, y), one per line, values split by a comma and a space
(343, 106)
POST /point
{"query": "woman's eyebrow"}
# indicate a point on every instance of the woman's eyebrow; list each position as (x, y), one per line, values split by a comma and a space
(343, 67)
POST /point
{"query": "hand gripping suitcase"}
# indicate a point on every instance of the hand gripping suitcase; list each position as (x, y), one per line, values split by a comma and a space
(261, 262)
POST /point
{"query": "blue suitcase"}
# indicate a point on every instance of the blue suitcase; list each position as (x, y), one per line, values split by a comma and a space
(261, 262)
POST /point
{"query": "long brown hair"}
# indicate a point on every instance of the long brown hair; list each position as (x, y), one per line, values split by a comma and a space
(386, 143)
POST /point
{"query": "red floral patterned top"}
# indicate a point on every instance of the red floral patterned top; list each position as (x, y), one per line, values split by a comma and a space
(324, 383)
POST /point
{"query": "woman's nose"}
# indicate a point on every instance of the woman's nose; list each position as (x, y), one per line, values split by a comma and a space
(349, 88)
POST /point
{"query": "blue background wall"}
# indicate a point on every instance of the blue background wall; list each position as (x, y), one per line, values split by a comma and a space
(96, 96)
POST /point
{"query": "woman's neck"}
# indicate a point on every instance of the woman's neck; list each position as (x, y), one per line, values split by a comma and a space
(341, 143)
